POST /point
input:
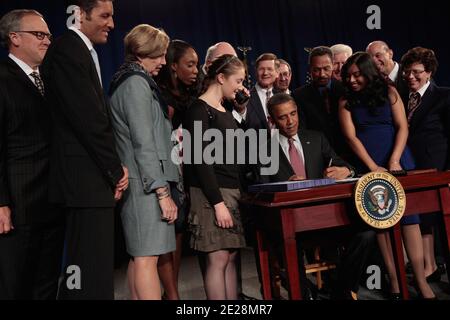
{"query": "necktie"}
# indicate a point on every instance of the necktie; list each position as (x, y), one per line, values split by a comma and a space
(97, 64)
(413, 104)
(326, 100)
(38, 82)
(268, 95)
(296, 160)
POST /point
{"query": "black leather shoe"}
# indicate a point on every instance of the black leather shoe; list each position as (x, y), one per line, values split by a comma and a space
(435, 276)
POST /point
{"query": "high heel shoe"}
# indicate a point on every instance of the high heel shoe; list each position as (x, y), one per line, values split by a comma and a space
(435, 276)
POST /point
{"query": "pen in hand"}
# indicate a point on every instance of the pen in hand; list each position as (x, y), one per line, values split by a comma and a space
(329, 163)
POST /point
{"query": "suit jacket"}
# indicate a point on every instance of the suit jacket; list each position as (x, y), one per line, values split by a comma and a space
(317, 152)
(256, 118)
(313, 114)
(85, 167)
(143, 134)
(400, 83)
(429, 129)
(24, 147)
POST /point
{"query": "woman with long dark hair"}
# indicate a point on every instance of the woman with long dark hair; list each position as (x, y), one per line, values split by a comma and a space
(373, 121)
(177, 81)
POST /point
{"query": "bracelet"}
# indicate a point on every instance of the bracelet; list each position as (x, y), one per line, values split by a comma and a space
(166, 195)
(164, 191)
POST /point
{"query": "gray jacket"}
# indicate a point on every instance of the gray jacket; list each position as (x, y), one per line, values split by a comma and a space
(143, 134)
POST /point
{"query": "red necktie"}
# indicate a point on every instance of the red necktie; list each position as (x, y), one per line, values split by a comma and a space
(296, 160)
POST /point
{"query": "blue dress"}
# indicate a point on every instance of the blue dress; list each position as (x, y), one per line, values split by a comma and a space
(376, 132)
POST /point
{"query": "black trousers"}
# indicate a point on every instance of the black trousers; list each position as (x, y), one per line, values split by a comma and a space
(354, 259)
(88, 272)
(30, 261)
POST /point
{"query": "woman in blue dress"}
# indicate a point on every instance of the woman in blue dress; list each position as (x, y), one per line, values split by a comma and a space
(373, 120)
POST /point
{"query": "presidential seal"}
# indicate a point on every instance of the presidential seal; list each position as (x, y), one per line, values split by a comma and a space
(380, 199)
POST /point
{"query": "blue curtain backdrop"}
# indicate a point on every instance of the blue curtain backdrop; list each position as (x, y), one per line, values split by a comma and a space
(284, 27)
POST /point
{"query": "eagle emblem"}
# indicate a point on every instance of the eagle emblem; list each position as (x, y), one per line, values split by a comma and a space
(379, 196)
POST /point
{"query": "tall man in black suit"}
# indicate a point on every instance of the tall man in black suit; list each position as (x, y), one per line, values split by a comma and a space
(31, 232)
(306, 154)
(86, 173)
(318, 100)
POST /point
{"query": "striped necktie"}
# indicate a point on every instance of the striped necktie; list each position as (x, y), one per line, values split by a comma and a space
(413, 104)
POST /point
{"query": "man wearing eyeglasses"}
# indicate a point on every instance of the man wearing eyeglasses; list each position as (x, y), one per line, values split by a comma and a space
(31, 232)
(87, 177)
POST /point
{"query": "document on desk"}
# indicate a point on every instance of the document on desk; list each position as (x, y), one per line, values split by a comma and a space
(347, 180)
(290, 185)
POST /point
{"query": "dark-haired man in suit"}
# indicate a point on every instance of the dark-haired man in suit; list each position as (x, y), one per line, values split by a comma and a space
(318, 100)
(31, 232)
(306, 154)
(86, 173)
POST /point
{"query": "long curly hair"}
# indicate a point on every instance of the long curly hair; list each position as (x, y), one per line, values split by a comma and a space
(375, 93)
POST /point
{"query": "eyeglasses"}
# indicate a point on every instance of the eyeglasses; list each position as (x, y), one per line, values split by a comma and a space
(38, 34)
(415, 73)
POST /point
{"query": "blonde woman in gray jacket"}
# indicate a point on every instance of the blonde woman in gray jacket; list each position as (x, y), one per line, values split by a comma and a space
(143, 131)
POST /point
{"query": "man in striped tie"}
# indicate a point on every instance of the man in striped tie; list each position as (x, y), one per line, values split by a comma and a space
(31, 232)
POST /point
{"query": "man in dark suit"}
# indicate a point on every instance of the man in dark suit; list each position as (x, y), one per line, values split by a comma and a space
(256, 116)
(428, 113)
(31, 232)
(312, 147)
(383, 56)
(86, 173)
(306, 154)
(318, 100)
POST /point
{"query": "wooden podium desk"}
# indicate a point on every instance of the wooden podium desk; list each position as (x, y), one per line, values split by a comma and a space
(324, 207)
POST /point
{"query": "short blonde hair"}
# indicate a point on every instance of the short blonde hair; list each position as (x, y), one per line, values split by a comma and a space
(145, 41)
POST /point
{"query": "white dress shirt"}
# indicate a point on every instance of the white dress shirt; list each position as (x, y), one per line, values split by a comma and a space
(394, 73)
(25, 67)
(91, 49)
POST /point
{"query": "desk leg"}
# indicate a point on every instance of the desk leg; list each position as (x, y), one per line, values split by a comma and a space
(399, 260)
(264, 264)
(290, 252)
(445, 205)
